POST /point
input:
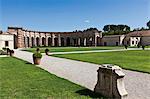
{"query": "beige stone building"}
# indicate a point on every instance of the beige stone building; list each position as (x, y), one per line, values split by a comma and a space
(131, 39)
(112, 40)
(22, 38)
(137, 37)
(26, 38)
(6, 41)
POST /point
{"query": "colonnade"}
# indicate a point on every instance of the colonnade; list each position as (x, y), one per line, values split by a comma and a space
(59, 41)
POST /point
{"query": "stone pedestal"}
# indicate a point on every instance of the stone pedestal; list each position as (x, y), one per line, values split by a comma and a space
(110, 82)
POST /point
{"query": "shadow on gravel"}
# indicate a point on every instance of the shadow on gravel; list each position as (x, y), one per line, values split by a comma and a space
(87, 92)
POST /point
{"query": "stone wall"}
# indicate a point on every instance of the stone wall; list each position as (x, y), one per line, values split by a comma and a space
(112, 40)
(145, 40)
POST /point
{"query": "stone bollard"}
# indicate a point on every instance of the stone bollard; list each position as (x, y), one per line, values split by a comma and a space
(110, 82)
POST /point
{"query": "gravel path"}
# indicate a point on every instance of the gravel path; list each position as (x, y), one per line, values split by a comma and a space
(137, 84)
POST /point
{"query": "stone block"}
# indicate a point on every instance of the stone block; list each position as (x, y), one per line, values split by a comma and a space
(110, 82)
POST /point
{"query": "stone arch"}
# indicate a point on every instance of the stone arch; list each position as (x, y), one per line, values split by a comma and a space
(68, 41)
(49, 41)
(62, 41)
(28, 42)
(37, 41)
(85, 42)
(43, 41)
(32, 41)
(24, 39)
(74, 42)
(56, 41)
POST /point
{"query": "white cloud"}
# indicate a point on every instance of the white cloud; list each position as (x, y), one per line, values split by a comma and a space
(87, 21)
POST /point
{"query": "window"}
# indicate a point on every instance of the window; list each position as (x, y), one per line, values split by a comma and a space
(6, 43)
(132, 42)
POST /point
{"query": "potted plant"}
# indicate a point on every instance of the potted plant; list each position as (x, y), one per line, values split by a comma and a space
(37, 58)
(11, 52)
(46, 51)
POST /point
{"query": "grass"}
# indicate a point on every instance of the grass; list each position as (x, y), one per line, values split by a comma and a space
(19, 79)
(132, 60)
(69, 49)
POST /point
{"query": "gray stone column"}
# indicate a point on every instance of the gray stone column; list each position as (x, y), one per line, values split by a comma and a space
(84, 42)
(95, 41)
(46, 39)
(40, 41)
(35, 41)
(53, 42)
(59, 40)
(79, 41)
(30, 42)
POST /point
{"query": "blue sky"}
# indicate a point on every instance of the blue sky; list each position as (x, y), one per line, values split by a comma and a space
(69, 15)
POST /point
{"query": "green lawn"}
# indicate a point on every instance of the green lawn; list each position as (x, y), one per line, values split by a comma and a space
(69, 49)
(132, 60)
(19, 79)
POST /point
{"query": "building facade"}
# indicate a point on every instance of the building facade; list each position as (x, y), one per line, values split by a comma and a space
(112, 40)
(6, 41)
(25, 38)
(22, 38)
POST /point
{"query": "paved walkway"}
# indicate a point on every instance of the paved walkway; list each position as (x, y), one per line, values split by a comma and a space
(3, 55)
(137, 84)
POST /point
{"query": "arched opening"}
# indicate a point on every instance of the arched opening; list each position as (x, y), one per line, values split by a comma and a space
(74, 42)
(32, 39)
(37, 41)
(24, 38)
(28, 42)
(43, 41)
(49, 41)
(68, 41)
(81, 41)
(56, 41)
(62, 41)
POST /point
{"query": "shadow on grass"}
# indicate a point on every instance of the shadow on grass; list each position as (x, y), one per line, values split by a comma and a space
(28, 63)
(87, 92)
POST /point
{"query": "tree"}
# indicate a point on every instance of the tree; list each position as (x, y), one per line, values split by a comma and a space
(106, 28)
(116, 29)
(148, 24)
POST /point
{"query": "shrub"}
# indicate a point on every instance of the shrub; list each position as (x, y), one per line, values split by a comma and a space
(46, 50)
(37, 50)
(37, 55)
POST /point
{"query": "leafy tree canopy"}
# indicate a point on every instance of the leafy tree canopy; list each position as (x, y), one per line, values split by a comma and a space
(148, 24)
(116, 29)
